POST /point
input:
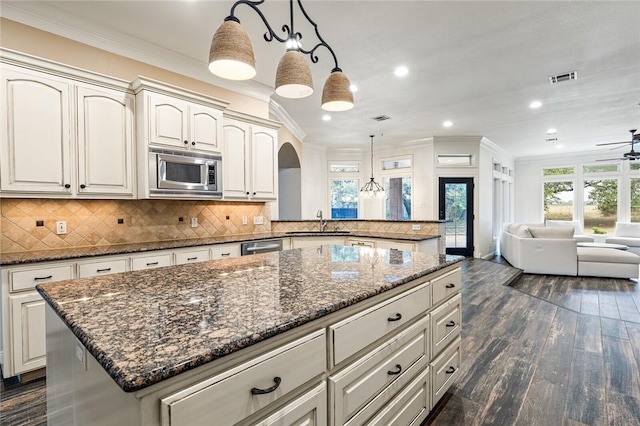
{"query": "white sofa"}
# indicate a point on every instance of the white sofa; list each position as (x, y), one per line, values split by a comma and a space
(578, 233)
(552, 250)
(628, 234)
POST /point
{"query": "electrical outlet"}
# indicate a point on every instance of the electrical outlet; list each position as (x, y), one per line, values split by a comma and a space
(194, 222)
(258, 220)
(244, 220)
(81, 354)
(61, 227)
(415, 227)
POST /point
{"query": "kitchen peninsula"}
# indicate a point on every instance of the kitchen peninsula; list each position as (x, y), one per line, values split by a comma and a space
(336, 333)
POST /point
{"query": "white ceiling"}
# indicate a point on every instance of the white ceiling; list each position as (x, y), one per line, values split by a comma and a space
(476, 63)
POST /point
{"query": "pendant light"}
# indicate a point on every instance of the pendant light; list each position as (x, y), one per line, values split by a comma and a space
(372, 189)
(231, 57)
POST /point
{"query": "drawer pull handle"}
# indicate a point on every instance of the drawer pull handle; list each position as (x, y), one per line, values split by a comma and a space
(450, 286)
(192, 258)
(225, 254)
(256, 391)
(451, 370)
(451, 324)
(395, 372)
(152, 263)
(397, 317)
(103, 270)
(43, 278)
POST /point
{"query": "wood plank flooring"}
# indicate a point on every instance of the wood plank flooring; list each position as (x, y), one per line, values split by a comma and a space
(543, 350)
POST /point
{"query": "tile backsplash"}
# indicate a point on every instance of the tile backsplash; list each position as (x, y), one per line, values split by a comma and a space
(95, 222)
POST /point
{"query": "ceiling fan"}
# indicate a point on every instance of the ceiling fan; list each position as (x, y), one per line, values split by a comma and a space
(631, 155)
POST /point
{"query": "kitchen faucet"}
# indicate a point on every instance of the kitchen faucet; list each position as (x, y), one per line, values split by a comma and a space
(323, 223)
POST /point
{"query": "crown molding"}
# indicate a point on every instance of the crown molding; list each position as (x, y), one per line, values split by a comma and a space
(283, 116)
(47, 18)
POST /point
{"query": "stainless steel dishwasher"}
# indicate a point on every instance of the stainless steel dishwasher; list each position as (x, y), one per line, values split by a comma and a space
(256, 247)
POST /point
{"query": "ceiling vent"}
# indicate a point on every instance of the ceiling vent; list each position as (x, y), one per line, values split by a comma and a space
(553, 79)
(381, 118)
(551, 140)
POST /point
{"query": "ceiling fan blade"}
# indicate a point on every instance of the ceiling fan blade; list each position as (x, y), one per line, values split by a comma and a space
(612, 143)
(614, 159)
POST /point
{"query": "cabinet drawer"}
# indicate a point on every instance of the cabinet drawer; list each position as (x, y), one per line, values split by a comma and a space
(229, 397)
(106, 267)
(446, 323)
(225, 251)
(394, 245)
(363, 388)
(310, 409)
(355, 333)
(446, 369)
(410, 407)
(446, 286)
(27, 279)
(193, 256)
(150, 262)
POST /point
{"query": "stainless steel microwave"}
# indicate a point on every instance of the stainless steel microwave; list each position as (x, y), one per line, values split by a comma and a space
(184, 173)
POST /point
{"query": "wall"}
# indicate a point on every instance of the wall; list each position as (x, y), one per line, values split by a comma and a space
(95, 222)
(313, 165)
(290, 201)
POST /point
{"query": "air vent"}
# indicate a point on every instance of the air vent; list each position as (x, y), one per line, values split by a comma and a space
(381, 118)
(553, 79)
(551, 140)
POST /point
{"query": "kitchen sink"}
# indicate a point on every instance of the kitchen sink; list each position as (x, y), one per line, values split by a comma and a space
(318, 232)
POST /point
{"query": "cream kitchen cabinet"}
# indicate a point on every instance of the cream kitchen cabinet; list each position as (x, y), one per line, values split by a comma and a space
(224, 251)
(63, 134)
(300, 242)
(250, 163)
(177, 123)
(23, 324)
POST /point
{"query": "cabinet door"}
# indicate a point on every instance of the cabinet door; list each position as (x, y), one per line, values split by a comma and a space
(205, 128)
(28, 329)
(235, 174)
(264, 143)
(105, 142)
(361, 243)
(167, 121)
(35, 140)
(309, 409)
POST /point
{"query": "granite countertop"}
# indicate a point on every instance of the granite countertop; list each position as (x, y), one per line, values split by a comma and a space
(173, 319)
(17, 258)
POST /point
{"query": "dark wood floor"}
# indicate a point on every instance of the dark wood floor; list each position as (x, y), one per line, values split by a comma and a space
(544, 350)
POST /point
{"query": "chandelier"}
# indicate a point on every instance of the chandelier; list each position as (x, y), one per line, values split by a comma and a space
(231, 57)
(372, 189)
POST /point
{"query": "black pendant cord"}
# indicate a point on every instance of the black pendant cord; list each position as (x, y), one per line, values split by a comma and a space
(289, 30)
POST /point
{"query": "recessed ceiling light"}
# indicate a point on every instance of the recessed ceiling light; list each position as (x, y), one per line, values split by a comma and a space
(401, 71)
(353, 88)
(552, 131)
(559, 146)
(326, 117)
(447, 123)
(535, 104)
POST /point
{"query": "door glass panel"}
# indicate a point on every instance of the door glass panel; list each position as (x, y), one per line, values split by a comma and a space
(456, 213)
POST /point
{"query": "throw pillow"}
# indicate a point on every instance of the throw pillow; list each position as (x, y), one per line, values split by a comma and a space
(565, 224)
(522, 231)
(551, 233)
(626, 229)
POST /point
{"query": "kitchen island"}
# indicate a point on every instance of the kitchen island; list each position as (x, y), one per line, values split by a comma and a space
(256, 340)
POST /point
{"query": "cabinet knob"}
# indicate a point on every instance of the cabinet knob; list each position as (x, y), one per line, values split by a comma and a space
(186, 142)
(193, 143)
(397, 317)
(247, 192)
(254, 193)
(395, 372)
(451, 370)
(450, 324)
(257, 391)
(83, 186)
(66, 185)
(450, 286)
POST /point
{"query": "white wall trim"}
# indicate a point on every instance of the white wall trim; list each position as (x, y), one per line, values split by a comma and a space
(282, 115)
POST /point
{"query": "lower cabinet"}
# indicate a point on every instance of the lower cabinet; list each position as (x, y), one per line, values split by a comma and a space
(28, 331)
(310, 409)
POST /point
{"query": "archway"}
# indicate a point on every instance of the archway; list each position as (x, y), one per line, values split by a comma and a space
(289, 183)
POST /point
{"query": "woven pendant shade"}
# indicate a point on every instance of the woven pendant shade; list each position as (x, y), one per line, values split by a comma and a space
(293, 78)
(231, 54)
(337, 95)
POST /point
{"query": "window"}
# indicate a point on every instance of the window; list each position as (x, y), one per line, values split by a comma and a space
(455, 160)
(634, 166)
(558, 171)
(344, 198)
(601, 168)
(394, 164)
(398, 200)
(344, 167)
(635, 199)
(600, 205)
(558, 200)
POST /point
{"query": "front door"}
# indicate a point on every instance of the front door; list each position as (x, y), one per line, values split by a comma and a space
(456, 206)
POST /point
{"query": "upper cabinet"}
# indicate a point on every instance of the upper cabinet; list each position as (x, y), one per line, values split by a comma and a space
(180, 124)
(63, 136)
(250, 162)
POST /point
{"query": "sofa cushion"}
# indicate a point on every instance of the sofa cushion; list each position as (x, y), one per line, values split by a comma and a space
(565, 224)
(627, 241)
(627, 229)
(606, 255)
(512, 228)
(522, 231)
(551, 233)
